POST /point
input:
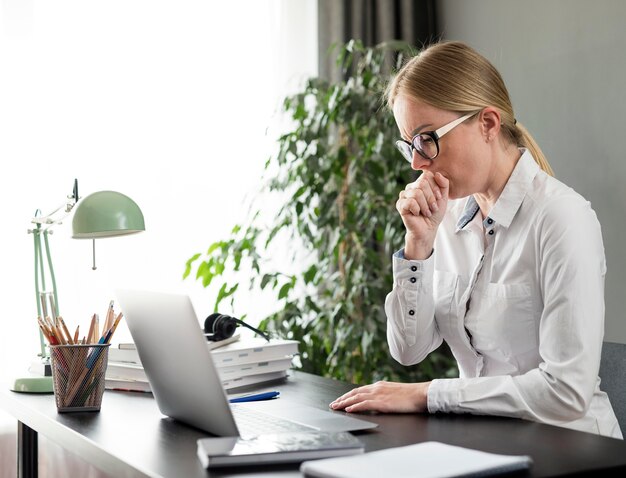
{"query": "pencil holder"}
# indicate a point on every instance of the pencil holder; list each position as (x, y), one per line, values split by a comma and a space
(78, 376)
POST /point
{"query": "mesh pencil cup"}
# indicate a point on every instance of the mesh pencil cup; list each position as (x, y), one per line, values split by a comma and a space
(78, 376)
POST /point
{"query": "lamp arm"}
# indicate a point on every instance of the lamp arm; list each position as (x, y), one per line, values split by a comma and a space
(56, 312)
(37, 243)
(67, 207)
(48, 221)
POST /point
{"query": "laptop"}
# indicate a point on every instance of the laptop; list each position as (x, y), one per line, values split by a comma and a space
(185, 382)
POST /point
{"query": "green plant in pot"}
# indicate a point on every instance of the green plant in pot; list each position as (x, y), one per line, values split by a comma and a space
(338, 175)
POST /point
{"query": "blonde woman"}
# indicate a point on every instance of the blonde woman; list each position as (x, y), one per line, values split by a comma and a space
(501, 260)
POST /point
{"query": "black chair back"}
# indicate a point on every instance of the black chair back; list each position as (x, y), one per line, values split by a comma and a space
(613, 375)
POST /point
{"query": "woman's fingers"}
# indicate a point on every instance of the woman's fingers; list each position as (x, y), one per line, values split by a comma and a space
(425, 200)
(443, 183)
(355, 395)
(434, 187)
(363, 406)
(408, 206)
(385, 397)
(425, 191)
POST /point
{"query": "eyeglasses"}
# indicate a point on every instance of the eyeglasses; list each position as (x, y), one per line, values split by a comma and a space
(427, 143)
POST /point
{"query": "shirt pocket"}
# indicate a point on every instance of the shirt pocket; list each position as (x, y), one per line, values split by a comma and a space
(444, 290)
(508, 319)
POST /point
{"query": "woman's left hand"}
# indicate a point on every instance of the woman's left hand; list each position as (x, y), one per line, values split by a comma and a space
(387, 397)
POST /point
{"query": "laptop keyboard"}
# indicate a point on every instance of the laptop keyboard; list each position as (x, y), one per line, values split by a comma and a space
(253, 422)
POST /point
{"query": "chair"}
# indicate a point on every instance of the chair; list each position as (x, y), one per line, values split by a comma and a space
(613, 376)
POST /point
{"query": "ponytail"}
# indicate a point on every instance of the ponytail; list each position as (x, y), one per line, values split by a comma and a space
(527, 141)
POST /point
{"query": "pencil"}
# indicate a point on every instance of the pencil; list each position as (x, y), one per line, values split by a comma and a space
(45, 334)
(108, 323)
(90, 333)
(96, 330)
(55, 332)
(76, 334)
(83, 378)
(113, 328)
(65, 331)
(43, 324)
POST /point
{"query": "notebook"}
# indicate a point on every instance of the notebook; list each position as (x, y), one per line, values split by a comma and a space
(279, 448)
(186, 385)
(426, 460)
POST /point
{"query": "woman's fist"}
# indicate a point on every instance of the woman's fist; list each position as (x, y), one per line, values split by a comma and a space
(422, 206)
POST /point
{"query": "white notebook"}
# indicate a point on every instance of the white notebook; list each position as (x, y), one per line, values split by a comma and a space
(426, 460)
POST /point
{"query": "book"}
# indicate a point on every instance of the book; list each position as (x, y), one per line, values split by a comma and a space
(124, 355)
(141, 385)
(230, 372)
(132, 371)
(428, 460)
(126, 385)
(125, 371)
(126, 346)
(253, 379)
(238, 363)
(254, 350)
(127, 352)
(275, 448)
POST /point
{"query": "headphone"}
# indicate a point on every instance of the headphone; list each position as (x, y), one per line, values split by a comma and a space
(220, 327)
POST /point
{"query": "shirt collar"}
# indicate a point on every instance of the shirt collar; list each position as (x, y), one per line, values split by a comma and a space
(511, 197)
(470, 210)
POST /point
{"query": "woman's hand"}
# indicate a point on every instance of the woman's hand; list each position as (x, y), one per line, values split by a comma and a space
(387, 397)
(422, 206)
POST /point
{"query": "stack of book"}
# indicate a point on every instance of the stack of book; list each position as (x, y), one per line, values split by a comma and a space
(239, 362)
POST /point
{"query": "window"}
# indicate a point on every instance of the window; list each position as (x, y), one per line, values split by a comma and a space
(152, 99)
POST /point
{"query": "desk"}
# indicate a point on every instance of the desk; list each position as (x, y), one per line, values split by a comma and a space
(130, 437)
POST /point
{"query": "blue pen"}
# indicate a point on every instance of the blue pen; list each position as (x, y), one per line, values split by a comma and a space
(254, 397)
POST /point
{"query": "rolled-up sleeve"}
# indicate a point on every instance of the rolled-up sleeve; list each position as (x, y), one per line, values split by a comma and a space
(411, 330)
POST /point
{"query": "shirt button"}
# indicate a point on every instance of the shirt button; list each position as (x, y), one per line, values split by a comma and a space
(489, 221)
(411, 312)
(413, 268)
(413, 280)
(491, 232)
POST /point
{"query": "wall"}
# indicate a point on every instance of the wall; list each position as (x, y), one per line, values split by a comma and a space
(564, 64)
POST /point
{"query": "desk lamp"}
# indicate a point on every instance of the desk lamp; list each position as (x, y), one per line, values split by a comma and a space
(101, 214)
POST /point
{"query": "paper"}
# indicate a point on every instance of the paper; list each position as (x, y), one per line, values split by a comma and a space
(426, 460)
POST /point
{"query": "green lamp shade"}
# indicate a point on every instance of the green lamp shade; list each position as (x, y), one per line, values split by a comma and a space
(106, 214)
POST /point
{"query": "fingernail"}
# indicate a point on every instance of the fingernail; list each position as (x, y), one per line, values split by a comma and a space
(437, 194)
(434, 207)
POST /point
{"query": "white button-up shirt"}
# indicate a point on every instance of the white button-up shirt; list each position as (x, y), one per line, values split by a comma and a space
(519, 298)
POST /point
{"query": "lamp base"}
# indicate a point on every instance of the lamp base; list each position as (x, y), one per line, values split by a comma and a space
(32, 385)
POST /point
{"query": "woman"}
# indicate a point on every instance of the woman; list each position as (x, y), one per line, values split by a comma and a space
(501, 260)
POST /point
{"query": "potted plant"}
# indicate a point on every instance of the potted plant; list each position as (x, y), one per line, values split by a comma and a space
(338, 174)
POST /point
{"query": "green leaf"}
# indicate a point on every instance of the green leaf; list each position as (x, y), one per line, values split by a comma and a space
(309, 275)
(284, 290)
(264, 281)
(189, 263)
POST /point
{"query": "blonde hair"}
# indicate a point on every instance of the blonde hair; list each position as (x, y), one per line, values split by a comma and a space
(452, 76)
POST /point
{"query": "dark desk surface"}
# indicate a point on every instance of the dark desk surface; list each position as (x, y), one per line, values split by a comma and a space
(129, 437)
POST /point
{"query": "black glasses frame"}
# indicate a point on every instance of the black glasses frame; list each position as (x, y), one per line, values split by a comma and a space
(436, 135)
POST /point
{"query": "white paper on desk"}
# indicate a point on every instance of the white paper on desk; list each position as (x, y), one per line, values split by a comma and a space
(426, 460)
